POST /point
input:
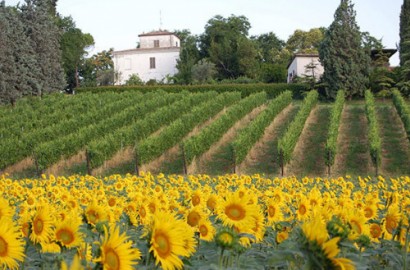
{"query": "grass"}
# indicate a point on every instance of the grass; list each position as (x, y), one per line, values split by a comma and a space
(395, 147)
(311, 160)
(356, 158)
(266, 161)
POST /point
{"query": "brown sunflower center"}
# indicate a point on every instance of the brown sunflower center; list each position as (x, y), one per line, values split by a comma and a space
(65, 236)
(163, 245)
(302, 209)
(196, 200)
(38, 225)
(92, 216)
(3, 247)
(368, 212)
(271, 211)
(203, 230)
(375, 230)
(142, 212)
(391, 224)
(193, 219)
(235, 212)
(112, 259)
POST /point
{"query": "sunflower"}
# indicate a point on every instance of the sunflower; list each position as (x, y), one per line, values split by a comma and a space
(5, 210)
(375, 232)
(95, 213)
(358, 225)
(42, 225)
(67, 232)
(206, 230)
(303, 211)
(392, 219)
(193, 216)
(11, 245)
(168, 240)
(282, 236)
(116, 252)
(370, 211)
(236, 211)
(273, 211)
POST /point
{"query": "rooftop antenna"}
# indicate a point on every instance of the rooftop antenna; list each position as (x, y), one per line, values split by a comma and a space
(160, 20)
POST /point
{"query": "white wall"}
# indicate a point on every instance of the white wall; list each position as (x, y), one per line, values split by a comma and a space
(138, 62)
(298, 67)
(164, 41)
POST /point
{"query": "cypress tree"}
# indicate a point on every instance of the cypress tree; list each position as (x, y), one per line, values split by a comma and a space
(19, 72)
(405, 40)
(346, 62)
(41, 28)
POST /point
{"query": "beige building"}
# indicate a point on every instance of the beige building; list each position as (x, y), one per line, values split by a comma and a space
(303, 65)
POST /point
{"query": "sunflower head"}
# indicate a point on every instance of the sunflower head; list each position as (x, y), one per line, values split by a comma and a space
(226, 238)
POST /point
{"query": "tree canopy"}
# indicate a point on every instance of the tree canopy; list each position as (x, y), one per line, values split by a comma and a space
(345, 60)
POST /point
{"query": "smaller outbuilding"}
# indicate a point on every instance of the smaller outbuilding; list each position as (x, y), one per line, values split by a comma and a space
(305, 65)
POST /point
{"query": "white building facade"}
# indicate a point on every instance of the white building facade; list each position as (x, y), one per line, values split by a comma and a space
(155, 59)
(303, 65)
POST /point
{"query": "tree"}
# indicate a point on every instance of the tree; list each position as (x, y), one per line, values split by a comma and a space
(74, 45)
(345, 61)
(19, 72)
(269, 46)
(188, 56)
(405, 43)
(98, 70)
(44, 35)
(305, 41)
(203, 72)
(134, 79)
(226, 44)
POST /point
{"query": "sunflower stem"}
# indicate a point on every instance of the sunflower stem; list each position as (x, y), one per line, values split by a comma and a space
(221, 257)
(405, 248)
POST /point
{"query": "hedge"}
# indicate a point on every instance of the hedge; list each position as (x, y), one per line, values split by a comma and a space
(272, 90)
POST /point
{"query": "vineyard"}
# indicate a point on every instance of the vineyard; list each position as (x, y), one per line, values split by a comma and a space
(204, 180)
(205, 132)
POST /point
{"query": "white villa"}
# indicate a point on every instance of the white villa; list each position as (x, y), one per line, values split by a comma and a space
(303, 65)
(154, 59)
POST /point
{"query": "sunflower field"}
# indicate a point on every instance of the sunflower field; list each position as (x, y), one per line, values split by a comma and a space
(203, 222)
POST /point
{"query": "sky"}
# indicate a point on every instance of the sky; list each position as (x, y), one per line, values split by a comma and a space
(117, 23)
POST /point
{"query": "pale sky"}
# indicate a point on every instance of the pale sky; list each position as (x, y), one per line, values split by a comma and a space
(117, 23)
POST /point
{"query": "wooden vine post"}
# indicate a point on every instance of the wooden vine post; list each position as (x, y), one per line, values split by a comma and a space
(136, 169)
(328, 163)
(88, 161)
(184, 161)
(281, 163)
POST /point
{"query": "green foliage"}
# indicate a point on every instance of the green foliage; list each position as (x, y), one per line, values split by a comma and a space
(74, 44)
(345, 61)
(405, 35)
(188, 56)
(200, 143)
(226, 44)
(203, 72)
(105, 145)
(288, 141)
(248, 136)
(373, 130)
(403, 110)
(305, 41)
(272, 90)
(134, 79)
(335, 116)
(153, 146)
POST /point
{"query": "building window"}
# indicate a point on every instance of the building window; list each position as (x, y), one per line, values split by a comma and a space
(176, 44)
(156, 43)
(152, 62)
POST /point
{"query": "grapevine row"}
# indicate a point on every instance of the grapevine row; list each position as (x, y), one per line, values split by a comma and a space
(248, 136)
(373, 130)
(16, 149)
(200, 143)
(153, 146)
(48, 153)
(403, 110)
(335, 116)
(103, 148)
(288, 141)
